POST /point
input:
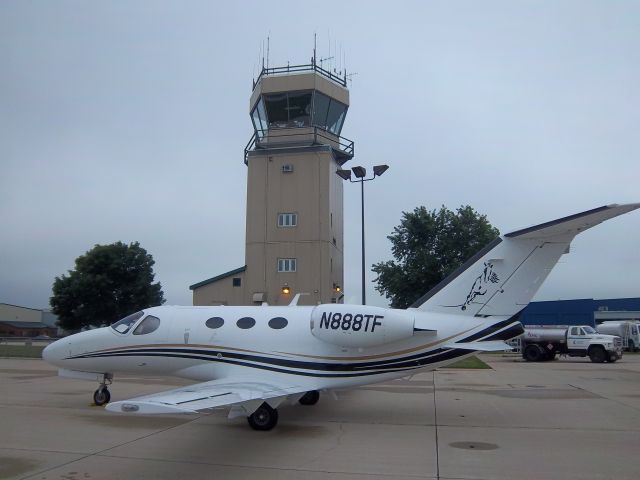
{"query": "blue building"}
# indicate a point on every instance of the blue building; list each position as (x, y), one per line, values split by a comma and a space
(574, 312)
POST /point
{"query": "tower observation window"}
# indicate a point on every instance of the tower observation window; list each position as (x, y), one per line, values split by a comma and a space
(335, 117)
(277, 110)
(328, 113)
(298, 109)
(259, 118)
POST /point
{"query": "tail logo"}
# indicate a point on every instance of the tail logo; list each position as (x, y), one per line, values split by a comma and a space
(482, 281)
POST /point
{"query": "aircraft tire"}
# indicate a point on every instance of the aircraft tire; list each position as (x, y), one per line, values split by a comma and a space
(310, 398)
(101, 396)
(264, 418)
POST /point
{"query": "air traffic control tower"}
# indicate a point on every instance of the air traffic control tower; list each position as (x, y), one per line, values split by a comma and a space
(294, 229)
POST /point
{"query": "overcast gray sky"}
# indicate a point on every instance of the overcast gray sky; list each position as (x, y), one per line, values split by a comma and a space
(127, 121)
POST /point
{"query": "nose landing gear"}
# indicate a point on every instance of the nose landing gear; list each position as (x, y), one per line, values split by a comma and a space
(102, 396)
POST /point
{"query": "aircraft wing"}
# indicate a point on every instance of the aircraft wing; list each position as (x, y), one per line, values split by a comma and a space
(246, 394)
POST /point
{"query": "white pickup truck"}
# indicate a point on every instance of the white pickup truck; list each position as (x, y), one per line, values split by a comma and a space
(544, 343)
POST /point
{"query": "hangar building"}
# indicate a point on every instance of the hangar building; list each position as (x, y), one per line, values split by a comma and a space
(585, 311)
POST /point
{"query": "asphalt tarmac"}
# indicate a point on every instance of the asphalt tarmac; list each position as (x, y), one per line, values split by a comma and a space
(568, 419)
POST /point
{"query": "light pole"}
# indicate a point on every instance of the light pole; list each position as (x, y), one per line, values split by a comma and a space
(361, 173)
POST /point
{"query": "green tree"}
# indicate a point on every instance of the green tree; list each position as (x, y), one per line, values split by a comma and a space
(428, 246)
(108, 283)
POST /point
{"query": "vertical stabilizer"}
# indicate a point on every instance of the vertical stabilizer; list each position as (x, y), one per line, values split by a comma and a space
(502, 278)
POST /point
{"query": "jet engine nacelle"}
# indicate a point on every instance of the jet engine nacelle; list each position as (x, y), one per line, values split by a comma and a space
(360, 325)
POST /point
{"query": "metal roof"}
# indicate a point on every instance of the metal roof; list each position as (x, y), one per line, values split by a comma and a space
(25, 324)
(215, 279)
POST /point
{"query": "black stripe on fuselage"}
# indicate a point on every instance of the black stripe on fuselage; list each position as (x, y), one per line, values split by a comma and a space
(511, 332)
(442, 355)
(280, 362)
(491, 329)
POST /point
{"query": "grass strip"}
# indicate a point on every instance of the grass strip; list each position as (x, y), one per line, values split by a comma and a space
(21, 351)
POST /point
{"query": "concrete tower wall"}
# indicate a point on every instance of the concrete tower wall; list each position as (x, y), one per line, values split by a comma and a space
(314, 193)
(291, 171)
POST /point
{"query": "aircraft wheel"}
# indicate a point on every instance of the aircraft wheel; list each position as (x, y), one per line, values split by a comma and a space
(264, 418)
(101, 396)
(597, 354)
(310, 398)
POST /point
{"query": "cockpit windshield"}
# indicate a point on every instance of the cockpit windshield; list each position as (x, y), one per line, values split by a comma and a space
(124, 325)
(148, 325)
(589, 330)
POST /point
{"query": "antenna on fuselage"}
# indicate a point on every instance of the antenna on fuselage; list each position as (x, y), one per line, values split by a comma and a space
(296, 298)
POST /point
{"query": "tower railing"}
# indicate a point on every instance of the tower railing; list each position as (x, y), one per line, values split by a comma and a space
(310, 67)
(291, 137)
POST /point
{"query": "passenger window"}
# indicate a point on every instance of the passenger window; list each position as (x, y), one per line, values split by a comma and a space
(574, 331)
(278, 322)
(123, 326)
(148, 325)
(215, 322)
(245, 322)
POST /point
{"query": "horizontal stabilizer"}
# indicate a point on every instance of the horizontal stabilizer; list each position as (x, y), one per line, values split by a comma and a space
(574, 224)
(491, 346)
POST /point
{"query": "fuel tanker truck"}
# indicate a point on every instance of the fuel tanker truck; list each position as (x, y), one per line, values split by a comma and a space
(544, 343)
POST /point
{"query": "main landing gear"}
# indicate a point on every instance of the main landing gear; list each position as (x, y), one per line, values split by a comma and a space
(266, 417)
(310, 398)
(102, 396)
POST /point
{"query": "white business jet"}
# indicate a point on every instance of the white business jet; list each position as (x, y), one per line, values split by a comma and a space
(255, 359)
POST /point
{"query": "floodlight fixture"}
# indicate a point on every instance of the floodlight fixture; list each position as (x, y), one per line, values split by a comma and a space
(379, 170)
(285, 289)
(344, 174)
(359, 172)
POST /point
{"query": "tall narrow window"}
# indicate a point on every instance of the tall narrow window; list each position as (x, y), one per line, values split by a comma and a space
(287, 265)
(287, 219)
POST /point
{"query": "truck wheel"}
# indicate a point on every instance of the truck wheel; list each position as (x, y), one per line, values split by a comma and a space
(533, 353)
(612, 358)
(597, 354)
(632, 346)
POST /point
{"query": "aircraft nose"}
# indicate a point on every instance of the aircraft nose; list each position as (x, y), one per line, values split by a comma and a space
(53, 353)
